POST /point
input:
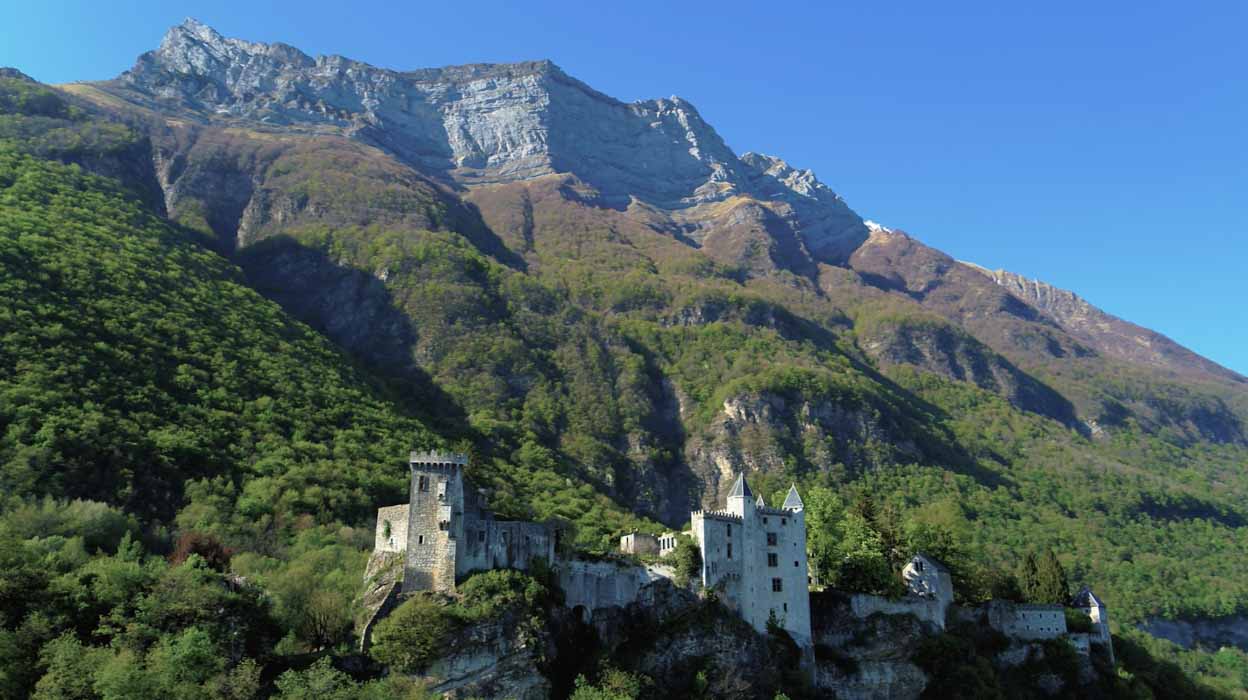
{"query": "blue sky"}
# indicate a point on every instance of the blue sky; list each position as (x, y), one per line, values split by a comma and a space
(1102, 147)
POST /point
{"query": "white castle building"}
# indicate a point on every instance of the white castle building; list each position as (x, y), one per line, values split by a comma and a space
(755, 557)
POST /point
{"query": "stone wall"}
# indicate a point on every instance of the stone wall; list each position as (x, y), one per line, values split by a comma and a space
(1022, 621)
(925, 609)
(639, 543)
(391, 533)
(597, 585)
(502, 544)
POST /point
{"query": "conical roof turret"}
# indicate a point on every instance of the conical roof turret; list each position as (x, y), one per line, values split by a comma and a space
(741, 489)
(793, 501)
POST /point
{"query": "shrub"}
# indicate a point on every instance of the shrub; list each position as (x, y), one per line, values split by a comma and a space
(1077, 621)
(414, 634)
(687, 561)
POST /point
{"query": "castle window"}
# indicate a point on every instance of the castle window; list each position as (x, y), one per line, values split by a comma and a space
(777, 585)
(772, 559)
(771, 539)
(422, 483)
(480, 535)
(786, 607)
(784, 521)
(730, 529)
(794, 563)
(764, 521)
(420, 539)
(729, 550)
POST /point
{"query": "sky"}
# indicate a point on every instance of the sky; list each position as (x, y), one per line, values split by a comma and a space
(1101, 147)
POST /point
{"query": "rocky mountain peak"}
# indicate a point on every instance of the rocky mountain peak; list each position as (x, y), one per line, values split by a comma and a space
(484, 124)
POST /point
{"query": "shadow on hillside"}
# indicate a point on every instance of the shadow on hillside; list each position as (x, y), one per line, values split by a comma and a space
(1165, 678)
(357, 312)
(1185, 507)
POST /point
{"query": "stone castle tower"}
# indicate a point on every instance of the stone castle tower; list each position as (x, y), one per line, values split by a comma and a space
(436, 499)
(450, 533)
(756, 557)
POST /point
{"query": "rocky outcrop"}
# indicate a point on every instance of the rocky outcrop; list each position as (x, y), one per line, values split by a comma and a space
(493, 659)
(383, 579)
(756, 431)
(486, 124)
(865, 658)
(1204, 633)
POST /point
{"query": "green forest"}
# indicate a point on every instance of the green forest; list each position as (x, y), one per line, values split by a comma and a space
(190, 472)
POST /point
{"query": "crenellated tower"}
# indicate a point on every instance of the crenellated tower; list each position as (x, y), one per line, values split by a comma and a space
(435, 520)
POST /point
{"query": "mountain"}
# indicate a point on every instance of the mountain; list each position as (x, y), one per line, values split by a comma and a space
(482, 124)
(1107, 333)
(620, 315)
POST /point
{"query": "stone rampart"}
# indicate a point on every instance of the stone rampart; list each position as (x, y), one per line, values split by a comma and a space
(925, 609)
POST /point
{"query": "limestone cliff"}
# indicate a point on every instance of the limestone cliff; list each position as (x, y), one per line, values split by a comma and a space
(484, 123)
(756, 431)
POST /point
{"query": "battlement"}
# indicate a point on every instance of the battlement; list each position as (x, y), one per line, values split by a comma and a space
(433, 459)
(717, 515)
(767, 510)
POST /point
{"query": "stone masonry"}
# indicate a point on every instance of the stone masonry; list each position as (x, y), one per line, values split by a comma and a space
(446, 532)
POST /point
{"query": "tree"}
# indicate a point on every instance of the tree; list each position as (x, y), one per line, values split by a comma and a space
(824, 512)
(864, 507)
(862, 566)
(1029, 578)
(209, 548)
(413, 635)
(687, 561)
(1052, 585)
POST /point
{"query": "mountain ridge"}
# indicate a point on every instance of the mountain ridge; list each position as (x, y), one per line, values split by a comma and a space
(482, 124)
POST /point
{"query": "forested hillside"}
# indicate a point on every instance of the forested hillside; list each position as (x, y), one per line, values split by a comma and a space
(223, 331)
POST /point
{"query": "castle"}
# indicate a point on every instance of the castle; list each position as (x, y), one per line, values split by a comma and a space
(446, 532)
(755, 557)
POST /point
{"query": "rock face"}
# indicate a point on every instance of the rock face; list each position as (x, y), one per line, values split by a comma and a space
(1106, 332)
(755, 431)
(865, 658)
(484, 124)
(491, 660)
(1208, 633)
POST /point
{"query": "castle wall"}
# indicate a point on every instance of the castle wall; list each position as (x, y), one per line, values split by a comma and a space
(925, 609)
(598, 585)
(1027, 621)
(391, 533)
(503, 544)
(639, 543)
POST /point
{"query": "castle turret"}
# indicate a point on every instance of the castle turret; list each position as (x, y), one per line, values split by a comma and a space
(435, 520)
(1088, 602)
(740, 499)
(793, 501)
